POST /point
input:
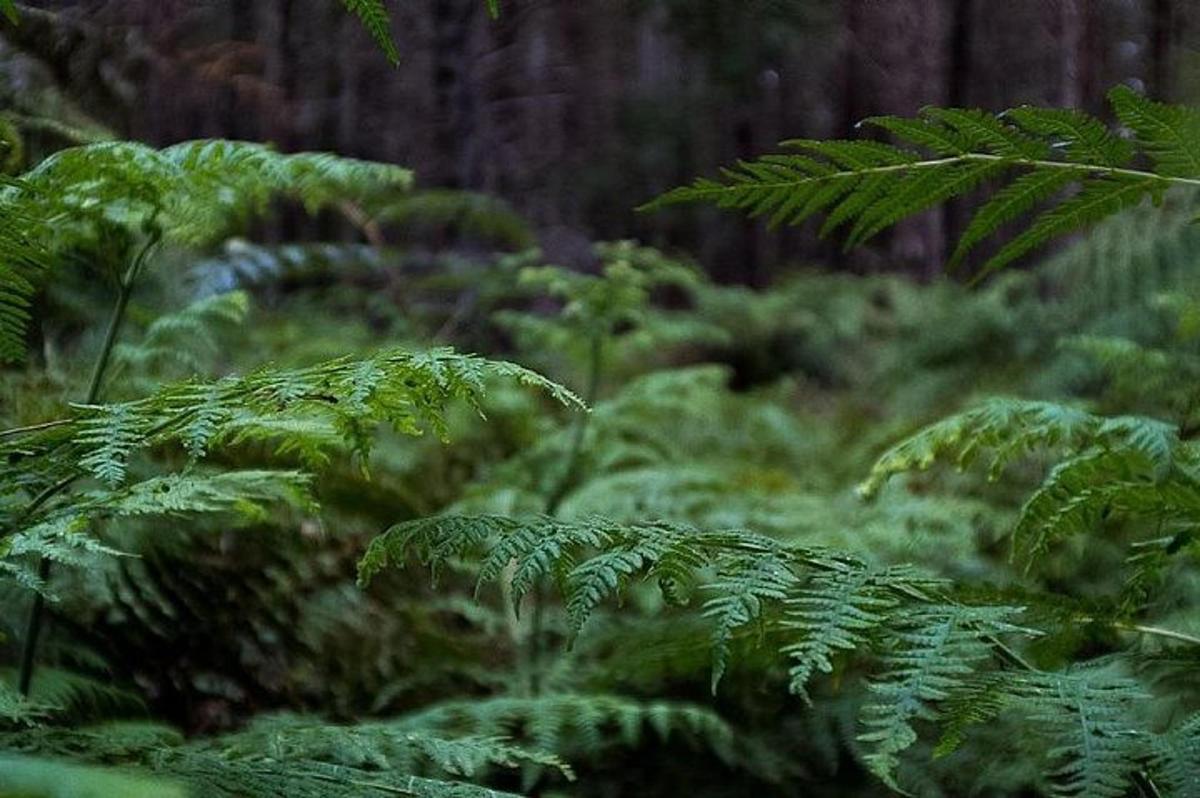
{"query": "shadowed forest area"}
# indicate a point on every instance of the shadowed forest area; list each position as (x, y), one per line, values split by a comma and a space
(599, 398)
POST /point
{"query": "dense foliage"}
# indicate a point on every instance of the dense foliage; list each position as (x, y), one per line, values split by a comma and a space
(717, 571)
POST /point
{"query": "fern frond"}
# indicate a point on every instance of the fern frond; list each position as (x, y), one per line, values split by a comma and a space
(591, 560)
(838, 611)
(580, 725)
(1170, 134)
(190, 193)
(378, 22)
(739, 592)
(408, 390)
(1007, 428)
(1089, 717)
(181, 338)
(872, 186)
(1175, 759)
(938, 647)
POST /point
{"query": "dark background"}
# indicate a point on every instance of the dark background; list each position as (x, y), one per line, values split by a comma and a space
(576, 111)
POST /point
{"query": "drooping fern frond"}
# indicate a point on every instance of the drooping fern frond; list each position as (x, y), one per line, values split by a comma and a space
(591, 560)
(1125, 465)
(869, 186)
(1005, 428)
(408, 390)
(375, 18)
(839, 611)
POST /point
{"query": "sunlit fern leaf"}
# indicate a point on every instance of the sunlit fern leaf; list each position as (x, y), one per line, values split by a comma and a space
(870, 186)
(938, 648)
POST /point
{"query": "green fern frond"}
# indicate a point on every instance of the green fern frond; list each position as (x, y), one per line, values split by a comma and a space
(182, 338)
(1175, 759)
(591, 560)
(1080, 492)
(1087, 716)
(871, 186)
(840, 610)
(938, 648)
(190, 193)
(739, 592)
(1170, 134)
(409, 390)
(1007, 428)
(580, 725)
(378, 22)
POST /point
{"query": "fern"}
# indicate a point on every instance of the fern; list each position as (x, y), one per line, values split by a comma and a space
(378, 22)
(839, 611)
(1175, 757)
(189, 194)
(870, 186)
(937, 648)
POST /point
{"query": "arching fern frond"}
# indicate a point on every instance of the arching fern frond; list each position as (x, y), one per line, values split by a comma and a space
(190, 194)
(945, 153)
(411, 391)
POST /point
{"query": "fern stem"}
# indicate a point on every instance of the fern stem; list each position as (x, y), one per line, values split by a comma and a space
(575, 452)
(967, 157)
(556, 497)
(45, 425)
(37, 610)
(1157, 631)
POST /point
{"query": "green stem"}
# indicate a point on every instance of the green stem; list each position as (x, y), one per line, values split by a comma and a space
(33, 626)
(1032, 163)
(575, 451)
(555, 499)
(45, 425)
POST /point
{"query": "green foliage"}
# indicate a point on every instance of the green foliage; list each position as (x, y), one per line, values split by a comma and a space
(113, 198)
(30, 777)
(869, 186)
(375, 18)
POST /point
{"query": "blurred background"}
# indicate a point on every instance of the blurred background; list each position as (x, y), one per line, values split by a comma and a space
(576, 111)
